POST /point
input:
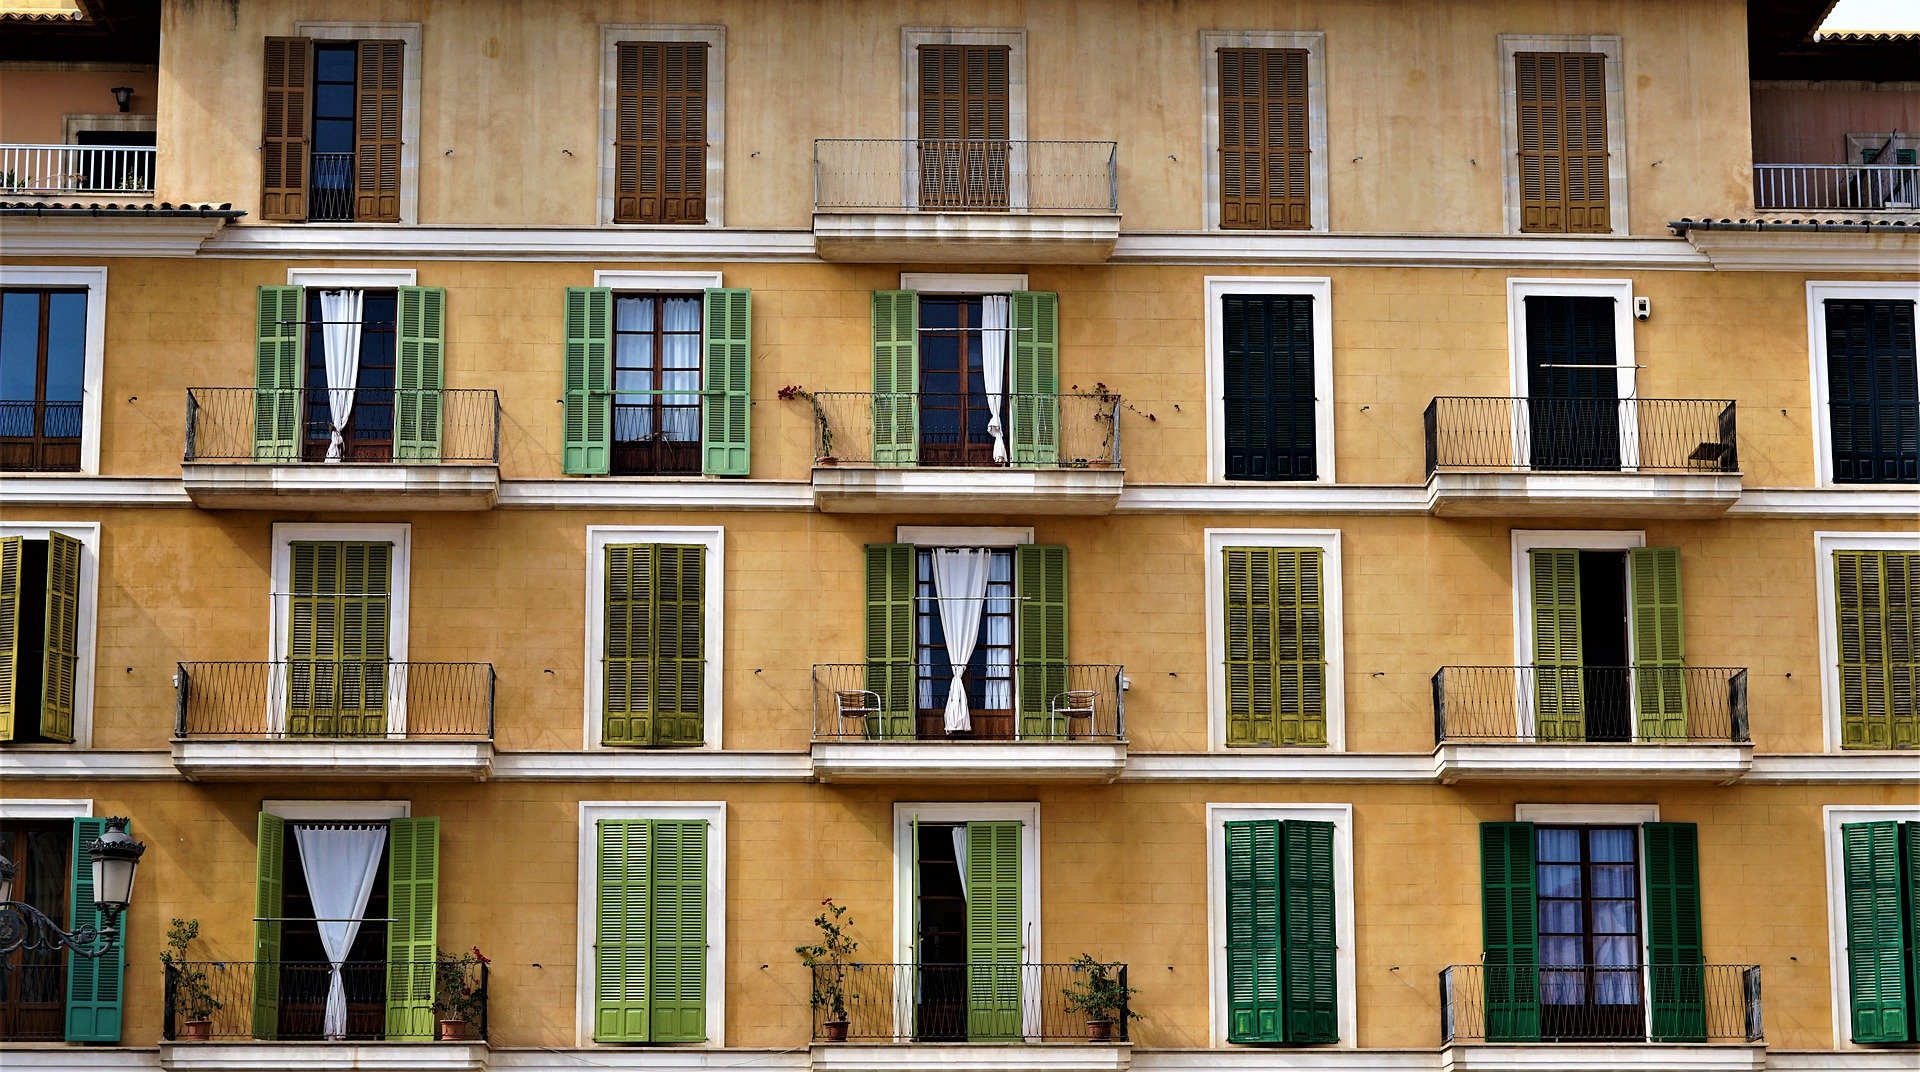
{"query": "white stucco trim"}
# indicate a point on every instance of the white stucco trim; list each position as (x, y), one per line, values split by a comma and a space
(963, 282)
(656, 281)
(1318, 288)
(45, 808)
(338, 810)
(904, 856)
(285, 534)
(1824, 546)
(1525, 540)
(1587, 814)
(1333, 627)
(1615, 73)
(911, 38)
(408, 34)
(1519, 289)
(94, 282)
(1818, 293)
(1833, 817)
(715, 36)
(352, 278)
(712, 624)
(961, 536)
(87, 623)
(1314, 43)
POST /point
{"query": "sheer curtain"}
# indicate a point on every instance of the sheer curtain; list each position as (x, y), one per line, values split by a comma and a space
(340, 333)
(960, 584)
(682, 376)
(633, 364)
(993, 367)
(960, 857)
(340, 862)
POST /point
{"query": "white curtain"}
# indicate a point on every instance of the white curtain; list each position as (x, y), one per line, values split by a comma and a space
(993, 367)
(340, 333)
(340, 864)
(681, 363)
(633, 369)
(960, 857)
(960, 584)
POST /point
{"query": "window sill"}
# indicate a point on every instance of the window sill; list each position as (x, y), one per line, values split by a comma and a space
(970, 761)
(966, 237)
(1710, 763)
(333, 760)
(253, 1056)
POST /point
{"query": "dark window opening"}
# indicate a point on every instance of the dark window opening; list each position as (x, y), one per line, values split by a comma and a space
(941, 940)
(335, 86)
(43, 350)
(1589, 903)
(304, 970)
(33, 985)
(368, 435)
(30, 666)
(657, 385)
(989, 676)
(1603, 645)
(955, 410)
(1573, 383)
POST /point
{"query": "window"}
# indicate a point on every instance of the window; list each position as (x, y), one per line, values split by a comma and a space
(1275, 641)
(340, 599)
(1881, 861)
(1572, 352)
(50, 997)
(1270, 368)
(1263, 138)
(660, 146)
(39, 637)
(1872, 390)
(653, 635)
(1565, 134)
(43, 360)
(965, 145)
(1280, 931)
(336, 138)
(1877, 622)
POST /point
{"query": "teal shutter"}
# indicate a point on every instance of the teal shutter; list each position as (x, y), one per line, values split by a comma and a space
(726, 408)
(1308, 986)
(281, 320)
(623, 902)
(413, 902)
(93, 983)
(1040, 599)
(1034, 378)
(1255, 903)
(1509, 914)
(60, 662)
(896, 377)
(1674, 945)
(890, 665)
(1659, 653)
(1559, 686)
(677, 939)
(587, 387)
(1879, 932)
(271, 856)
(419, 375)
(994, 932)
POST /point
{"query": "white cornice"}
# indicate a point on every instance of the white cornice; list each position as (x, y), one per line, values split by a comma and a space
(56, 762)
(1809, 251)
(385, 241)
(84, 237)
(1424, 251)
(647, 1059)
(661, 765)
(1865, 502)
(1262, 497)
(1267, 1059)
(1880, 768)
(1600, 1057)
(22, 489)
(1278, 765)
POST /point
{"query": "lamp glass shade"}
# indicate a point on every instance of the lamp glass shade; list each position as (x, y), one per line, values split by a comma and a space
(113, 881)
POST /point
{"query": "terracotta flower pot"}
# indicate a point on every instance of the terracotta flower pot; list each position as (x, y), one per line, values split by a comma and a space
(834, 1030)
(453, 1030)
(1099, 1030)
(196, 1030)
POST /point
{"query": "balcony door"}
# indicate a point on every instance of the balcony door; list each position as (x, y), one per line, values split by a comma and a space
(1608, 663)
(963, 401)
(1573, 384)
(656, 384)
(33, 985)
(339, 631)
(964, 147)
(304, 972)
(1589, 912)
(969, 935)
(988, 675)
(351, 350)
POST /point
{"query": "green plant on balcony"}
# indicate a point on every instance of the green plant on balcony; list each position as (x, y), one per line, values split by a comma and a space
(193, 999)
(827, 960)
(457, 993)
(1097, 993)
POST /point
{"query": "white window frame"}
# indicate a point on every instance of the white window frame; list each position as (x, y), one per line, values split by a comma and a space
(74, 124)
(408, 34)
(1332, 627)
(1314, 43)
(1818, 292)
(1824, 545)
(588, 901)
(1634, 815)
(961, 536)
(87, 622)
(1625, 361)
(285, 535)
(1833, 817)
(1607, 45)
(44, 808)
(963, 282)
(1320, 290)
(1346, 990)
(715, 37)
(338, 811)
(94, 281)
(352, 278)
(1027, 814)
(599, 538)
(652, 282)
(911, 38)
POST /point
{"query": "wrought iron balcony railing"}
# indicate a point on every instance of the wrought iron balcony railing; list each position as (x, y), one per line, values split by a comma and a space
(76, 169)
(965, 175)
(304, 699)
(1631, 1003)
(959, 1002)
(40, 437)
(929, 430)
(1581, 435)
(292, 1005)
(293, 426)
(1011, 702)
(330, 188)
(1820, 187)
(1572, 704)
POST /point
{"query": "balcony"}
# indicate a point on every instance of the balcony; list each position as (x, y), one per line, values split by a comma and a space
(1851, 188)
(1050, 723)
(98, 172)
(40, 436)
(889, 453)
(1538, 457)
(333, 719)
(965, 200)
(1591, 723)
(252, 449)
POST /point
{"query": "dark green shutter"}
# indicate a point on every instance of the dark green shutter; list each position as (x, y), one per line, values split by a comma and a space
(1509, 915)
(1873, 390)
(896, 377)
(1268, 387)
(587, 386)
(890, 663)
(1034, 377)
(338, 626)
(1880, 969)
(1659, 650)
(1674, 945)
(1040, 599)
(12, 554)
(1308, 990)
(271, 855)
(413, 902)
(1255, 903)
(93, 983)
(994, 932)
(1559, 686)
(278, 351)
(726, 408)
(677, 939)
(621, 1003)
(1877, 597)
(654, 672)
(1276, 669)
(419, 374)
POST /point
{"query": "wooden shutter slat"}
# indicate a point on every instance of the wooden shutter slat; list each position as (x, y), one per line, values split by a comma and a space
(285, 118)
(413, 902)
(587, 382)
(677, 660)
(1674, 944)
(1269, 388)
(995, 935)
(1873, 391)
(622, 929)
(268, 907)
(60, 666)
(1659, 650)
(1877, 618)
(1879, 959)
(94, 984)
(677, 941)
(12, 559)
(279, 352)
(1559, 680)
(1034, 379)
(1308, 988)
(376, 132)
(419, 375)
(889, 634)
(726, 404)
(660, 132)
(1264, 148)
(1255, 906)
(1509, 916)
(964, 126)
(896, 377)
(1561, 111)
(1040, 587)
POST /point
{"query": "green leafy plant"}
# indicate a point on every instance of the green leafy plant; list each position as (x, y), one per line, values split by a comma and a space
(192, 992)
(828, 959)
(457, 994)
(1096, 991)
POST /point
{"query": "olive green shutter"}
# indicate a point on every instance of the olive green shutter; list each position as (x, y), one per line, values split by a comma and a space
(587, 405)
(677, 940)
(419, 374)
(726, 409)
(1255, 903)
(60, 667)
(281, 327)
(1659, 651)
(620, 1000)
(1510, 929)
(413, 902)
(12, 551)
(1559, 689)
(1307, 959)
(267, 909)
(994, 932)
(288, 83)
(1674, 945)
(896, 377)
(1877, 596)
(889, 670)
(1879, 934)
(338, 616)
(678, 663)
(1034, 378)
(1040, 601)
(93, 983)
(1276, 669)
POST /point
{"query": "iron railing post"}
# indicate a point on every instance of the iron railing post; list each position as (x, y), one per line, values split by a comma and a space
(1440, 706)
(192, 412)
(166, 1011)
(1125, 1003)
(180, 687)
(496, 426)
(1741, 731)
(492, 680)
(1750, 988)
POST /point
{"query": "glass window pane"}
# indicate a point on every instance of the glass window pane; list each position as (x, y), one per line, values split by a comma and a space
(1614, 917)
(1613, 880)
(332, 101)
(1557, 844)
(1559, 880)
(1611, 845)
(19, 345)
(66, 345)
(333, 64)
(1561, 951)
(1560, 917)
(1617, 951)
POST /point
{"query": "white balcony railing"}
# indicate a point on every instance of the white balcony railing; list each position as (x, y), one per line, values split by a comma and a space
(1850, 187)
(76, 169)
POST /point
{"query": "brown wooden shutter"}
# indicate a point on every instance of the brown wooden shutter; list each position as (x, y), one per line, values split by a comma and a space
(964, 126)
(283, 129)
(376, 133)
(1562, 100)
(1263, 138)
(660, 135)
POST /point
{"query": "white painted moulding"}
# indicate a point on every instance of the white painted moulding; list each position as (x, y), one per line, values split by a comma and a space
(205, 760)
(968, 761)
(441, 486)
(1458, 494)
(963, 1057)
(321, 1057)
(860, 490)
(1633, 1057)
(965, 237)
(1697, 762)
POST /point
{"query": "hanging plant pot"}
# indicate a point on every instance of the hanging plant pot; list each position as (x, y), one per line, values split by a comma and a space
(453, 1031)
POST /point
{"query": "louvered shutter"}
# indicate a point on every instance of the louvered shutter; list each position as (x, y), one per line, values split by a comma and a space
(1873, 391)
(1559, 685)
(1879, 937)
(660, 132)
(93, 983)
(1040, 599)
(1268, 381)
(1248, 590)
(726, 407)
(1255, 903)
(376, 133)
(994, 932)
(419, 374)
(677, 940)
(1562, 123)
(678, 662)
(1308, 987)
(622, 921)
(1276, 646)
(627, 658)
(896, 377)
(283, 132)
(965, 95)
(413, 902)
(12, 555)
(1659, 654)
(1877, 597)
(1034, 321)
(338, 615)
(60, 667)
(278, 354)
(1910, 846)
(587, 405)
(889, 632)
(1263, 138)
(268, 907)
(1509, 914)
(1674, 945)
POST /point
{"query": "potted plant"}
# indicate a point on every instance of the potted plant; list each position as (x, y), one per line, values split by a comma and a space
(193, 999)
(1100, 994)
(823, 455)
(827, 961)
(457, 994)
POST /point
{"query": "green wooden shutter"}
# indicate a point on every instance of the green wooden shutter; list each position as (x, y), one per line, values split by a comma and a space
(678, 660)
(889, 671)
(587, 403)
(12, 552)
(1248, 591)
(1308, 986)
(627, 683)
(93, 983)
(278, 352)
(1910, 845)
(339, 624)
(419, 375)
(1040, 601)
(994, 932)
(1659, 651)
(268, 907)
(896, 377)
(60, 666)
(677, 940)
(1034, 378)
(1559, 687)
(1276, 668)
(413, 901)
(1879, 958)
(1510, 928)
(623, 903)
(1877, 597)
(1674, 944)
(726, 408)
(1255, 903)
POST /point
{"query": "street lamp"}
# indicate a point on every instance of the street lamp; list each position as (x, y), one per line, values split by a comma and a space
(116, 857)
